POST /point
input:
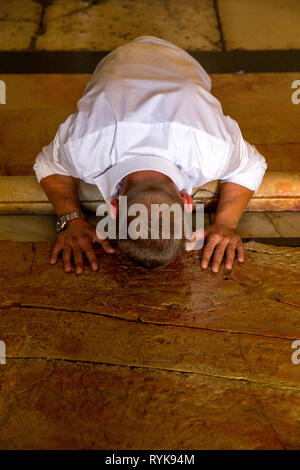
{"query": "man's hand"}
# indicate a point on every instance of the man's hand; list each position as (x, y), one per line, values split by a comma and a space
(75, 240)
(220, 238)
(221, 241)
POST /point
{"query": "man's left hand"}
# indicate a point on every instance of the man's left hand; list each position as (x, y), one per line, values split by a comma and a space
(221, 242)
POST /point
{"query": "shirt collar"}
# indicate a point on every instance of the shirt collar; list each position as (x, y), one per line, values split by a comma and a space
(107, 181)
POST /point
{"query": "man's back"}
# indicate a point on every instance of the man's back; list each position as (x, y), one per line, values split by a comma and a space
(148, 104)
(147, 124)
(151, 81)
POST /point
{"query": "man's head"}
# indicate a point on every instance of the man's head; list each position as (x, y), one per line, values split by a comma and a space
(156, 245)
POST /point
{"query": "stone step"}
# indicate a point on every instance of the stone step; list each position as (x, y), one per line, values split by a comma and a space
(36, 104)
(279, 191)
(281, 228)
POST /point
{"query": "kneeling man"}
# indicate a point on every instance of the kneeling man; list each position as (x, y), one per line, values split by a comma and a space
(147, 127)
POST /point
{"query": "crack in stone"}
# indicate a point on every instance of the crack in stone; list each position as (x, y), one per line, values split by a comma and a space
(270, 423)
(135, 366)
(30, 389)
(243, 357)
(265, 251)
(90, 4)
(271, 221)
(139, 320)
(232, 332)
(33, 257)
(76, 10)
(276, 299)
(257, 250)
(272, 297)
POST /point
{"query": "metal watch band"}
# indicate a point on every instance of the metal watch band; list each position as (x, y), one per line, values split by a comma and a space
(64, 219)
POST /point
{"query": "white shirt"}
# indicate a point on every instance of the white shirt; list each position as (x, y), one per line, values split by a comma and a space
(148, 106)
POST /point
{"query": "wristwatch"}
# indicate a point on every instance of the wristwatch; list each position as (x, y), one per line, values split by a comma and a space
(64, 219)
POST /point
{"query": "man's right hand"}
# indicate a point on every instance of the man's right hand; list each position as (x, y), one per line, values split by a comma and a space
(74, 241)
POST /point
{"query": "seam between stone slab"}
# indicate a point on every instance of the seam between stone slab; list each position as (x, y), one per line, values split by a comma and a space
(41, 29)
(271, 221)
(139, 321)
(164, 369)
(219, 25)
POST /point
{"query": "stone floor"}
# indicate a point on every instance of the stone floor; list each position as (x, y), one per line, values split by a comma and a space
(196, 24)
(128, 359)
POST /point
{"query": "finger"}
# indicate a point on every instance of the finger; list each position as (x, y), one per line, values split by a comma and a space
(207, 252)
(67, 259)
(91, 255)
(230, 254)
(218, 256)
(97, 238)
(107, 246)
(55, 252)
(78, 259)
(240, 252)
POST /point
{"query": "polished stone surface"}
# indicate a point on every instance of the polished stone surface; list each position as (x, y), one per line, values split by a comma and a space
(27, 228)
(178, 358)
(256, 24)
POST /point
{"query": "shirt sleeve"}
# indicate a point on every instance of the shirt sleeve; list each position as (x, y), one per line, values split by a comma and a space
(246, 165)
(56, 158)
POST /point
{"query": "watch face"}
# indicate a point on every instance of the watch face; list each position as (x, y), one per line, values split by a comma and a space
(60, 225)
